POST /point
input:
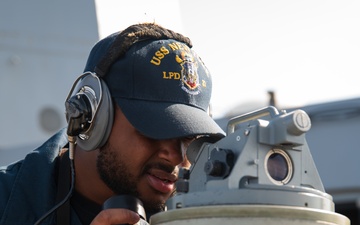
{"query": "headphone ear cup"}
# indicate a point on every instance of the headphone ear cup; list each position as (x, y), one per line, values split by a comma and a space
(101, 121)
(101, 124)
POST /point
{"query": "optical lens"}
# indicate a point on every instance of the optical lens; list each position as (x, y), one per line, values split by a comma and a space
(277, 167)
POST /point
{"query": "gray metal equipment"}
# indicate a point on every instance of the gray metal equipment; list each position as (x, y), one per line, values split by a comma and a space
(261, 172)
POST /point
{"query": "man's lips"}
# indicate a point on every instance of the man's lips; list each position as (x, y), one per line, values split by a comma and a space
(161, 181)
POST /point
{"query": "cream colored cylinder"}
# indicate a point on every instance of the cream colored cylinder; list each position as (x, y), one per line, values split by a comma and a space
(248, 214)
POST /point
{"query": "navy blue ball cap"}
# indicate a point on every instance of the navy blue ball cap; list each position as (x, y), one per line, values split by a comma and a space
(162, 86)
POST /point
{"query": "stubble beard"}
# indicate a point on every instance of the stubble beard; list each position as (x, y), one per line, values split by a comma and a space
(114, 173)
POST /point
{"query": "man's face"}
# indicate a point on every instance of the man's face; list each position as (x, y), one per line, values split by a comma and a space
(131, 163)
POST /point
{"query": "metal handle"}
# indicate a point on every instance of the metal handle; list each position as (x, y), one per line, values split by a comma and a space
(270, 110)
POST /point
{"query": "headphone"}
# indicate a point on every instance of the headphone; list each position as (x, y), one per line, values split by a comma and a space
(89, 111)
(89, 107)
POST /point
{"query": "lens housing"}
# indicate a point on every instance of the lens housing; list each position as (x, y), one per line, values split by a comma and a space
(278, 166)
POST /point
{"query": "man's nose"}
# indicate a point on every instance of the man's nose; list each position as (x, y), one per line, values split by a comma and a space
(170, 150)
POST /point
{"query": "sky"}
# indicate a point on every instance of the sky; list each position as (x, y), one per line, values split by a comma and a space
(307, 52)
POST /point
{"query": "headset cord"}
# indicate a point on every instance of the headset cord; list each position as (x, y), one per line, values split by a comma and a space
(68, 196)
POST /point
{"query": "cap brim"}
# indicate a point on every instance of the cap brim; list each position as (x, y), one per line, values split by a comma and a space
(162, 120)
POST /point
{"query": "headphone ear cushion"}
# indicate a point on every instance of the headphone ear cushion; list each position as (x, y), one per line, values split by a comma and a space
(102, 122)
